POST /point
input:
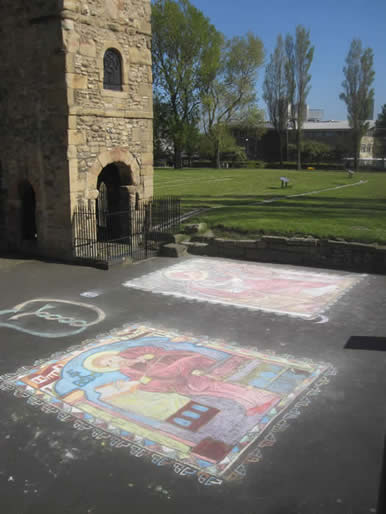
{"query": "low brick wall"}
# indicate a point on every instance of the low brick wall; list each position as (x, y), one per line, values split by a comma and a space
(297, 251)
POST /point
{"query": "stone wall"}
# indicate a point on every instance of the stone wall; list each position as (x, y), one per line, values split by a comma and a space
(59, 127)
(33, 121)
(297, 251)
(105, 125)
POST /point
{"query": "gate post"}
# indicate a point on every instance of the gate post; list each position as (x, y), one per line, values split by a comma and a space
(126, 204)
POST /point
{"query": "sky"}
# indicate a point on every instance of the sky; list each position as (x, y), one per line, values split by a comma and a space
(333, 24)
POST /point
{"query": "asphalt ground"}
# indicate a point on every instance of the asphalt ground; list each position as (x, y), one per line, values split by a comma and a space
(328, 461)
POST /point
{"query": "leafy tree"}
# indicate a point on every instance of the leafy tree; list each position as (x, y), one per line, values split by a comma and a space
(381, 121)
(380, 133)
(231, 93)
(228, 146)
(299, 59)
(358, 94)
(275, 92)
(315, 151)
(162, 137)
(186, 53)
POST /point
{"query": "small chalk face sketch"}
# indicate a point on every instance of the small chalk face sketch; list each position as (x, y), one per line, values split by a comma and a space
(45, 317)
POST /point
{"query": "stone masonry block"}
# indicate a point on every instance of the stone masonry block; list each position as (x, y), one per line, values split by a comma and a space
(71, 5)
(71, 152)
(76, 81)
(87, 48)
(73, 168)
(147, 163)
(76, 138)
(72, 122)
(71, 41)
(139, 56)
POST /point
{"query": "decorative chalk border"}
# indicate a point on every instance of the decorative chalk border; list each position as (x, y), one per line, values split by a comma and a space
(63, 411)
(320, 317)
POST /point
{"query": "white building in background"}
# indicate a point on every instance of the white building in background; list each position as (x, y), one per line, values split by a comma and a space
(315, 115)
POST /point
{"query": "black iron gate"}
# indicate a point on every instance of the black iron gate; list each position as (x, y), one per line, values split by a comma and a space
(137, 232)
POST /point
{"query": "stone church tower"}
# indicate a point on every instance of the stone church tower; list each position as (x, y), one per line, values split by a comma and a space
(75, 115)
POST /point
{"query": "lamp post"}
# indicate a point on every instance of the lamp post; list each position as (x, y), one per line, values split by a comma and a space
(246, 147)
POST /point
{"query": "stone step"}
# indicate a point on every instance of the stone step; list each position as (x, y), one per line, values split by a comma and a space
(196, 248)
(173, 250)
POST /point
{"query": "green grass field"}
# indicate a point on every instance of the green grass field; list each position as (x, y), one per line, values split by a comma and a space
(356, 213)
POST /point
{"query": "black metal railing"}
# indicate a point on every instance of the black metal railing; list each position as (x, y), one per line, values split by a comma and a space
(136, 232)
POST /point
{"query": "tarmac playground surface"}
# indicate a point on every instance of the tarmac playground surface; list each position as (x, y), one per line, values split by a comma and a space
(191, 385)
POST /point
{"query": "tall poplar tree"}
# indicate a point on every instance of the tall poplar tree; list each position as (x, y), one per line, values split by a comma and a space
(300, 53)
(275, 92)
(358, 94)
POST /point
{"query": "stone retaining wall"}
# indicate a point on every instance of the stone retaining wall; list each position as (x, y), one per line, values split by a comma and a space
(297, 251)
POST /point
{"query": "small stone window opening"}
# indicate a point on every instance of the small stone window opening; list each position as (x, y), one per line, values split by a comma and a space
(112, 70)
(136, 201)
(28, 212)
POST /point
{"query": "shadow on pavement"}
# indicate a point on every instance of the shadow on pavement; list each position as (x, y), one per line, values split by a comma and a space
(366, 343)
(381, 508)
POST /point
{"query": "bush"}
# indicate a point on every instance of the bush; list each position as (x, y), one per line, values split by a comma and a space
(202, 164)
(247, 164)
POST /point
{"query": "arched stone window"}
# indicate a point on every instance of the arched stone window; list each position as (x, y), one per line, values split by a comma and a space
(112, 70)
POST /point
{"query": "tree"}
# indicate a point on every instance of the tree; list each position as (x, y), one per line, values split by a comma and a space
(381, 121)
(299, 59)
(317, 152)
(162, 138)
(380, 133)
(231, 93)
(275, 92)
(228, 147)
(186, 53)
(358, 94)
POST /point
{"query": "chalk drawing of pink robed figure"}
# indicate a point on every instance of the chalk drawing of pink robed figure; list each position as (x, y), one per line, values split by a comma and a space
(273, 288)
(157, 370)
(200, 403)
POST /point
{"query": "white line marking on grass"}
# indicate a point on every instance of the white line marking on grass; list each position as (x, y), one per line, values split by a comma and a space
(329, 189)
(271, 200)
(278, 198)
(176, 184)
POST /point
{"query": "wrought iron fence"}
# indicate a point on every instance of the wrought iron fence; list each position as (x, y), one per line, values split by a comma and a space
(136, 232)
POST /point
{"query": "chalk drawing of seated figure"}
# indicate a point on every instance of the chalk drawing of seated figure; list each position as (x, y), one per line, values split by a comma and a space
(156, 370)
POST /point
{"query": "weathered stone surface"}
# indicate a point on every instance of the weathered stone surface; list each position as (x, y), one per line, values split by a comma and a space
(314, 252)
(195, 228)
(173, 250)
(59, 126)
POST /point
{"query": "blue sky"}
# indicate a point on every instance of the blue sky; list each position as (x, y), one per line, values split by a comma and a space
(333, 25)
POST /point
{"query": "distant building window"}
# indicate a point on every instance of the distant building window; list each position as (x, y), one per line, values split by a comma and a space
(112, 70)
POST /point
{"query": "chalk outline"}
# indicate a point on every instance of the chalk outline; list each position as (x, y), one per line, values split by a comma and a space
(100, 317)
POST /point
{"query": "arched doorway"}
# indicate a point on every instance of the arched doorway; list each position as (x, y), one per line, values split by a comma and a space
(111, 202)
(28, 212)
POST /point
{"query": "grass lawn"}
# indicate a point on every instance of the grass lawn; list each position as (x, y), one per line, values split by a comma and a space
(355, 213)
